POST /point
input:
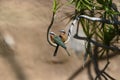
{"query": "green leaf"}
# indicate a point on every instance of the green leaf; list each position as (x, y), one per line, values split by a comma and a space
(72, 1)
(83, 25)
(87, 2)
(109, 34)
(55, 6)
(100, 1)
(86, 5)
(78, 5)
(99, 33)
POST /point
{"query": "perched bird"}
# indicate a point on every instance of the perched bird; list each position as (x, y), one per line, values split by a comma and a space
(63, 35)
(56, 39)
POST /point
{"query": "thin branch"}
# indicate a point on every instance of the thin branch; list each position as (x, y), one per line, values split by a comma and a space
(96, 64)
(98, 19)
(102, 73)
(97, 44)
(48, 31)
(104, 76)
(109, 76)
(79, 70)
(106, 66)
(90, 72)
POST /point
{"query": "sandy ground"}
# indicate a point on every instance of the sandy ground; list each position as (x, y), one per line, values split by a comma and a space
(29, 56)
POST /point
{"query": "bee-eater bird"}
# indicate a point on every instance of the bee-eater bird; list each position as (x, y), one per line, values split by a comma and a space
(56, 39)
(65, 38)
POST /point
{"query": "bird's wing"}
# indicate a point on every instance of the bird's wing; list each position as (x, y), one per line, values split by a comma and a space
(58, 41)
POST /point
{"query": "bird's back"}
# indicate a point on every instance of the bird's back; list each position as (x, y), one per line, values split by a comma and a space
(59, 41)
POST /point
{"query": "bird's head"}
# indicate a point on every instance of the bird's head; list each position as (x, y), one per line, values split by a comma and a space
(62, 32)
(51, 38)
(52, 34)
(65, 38)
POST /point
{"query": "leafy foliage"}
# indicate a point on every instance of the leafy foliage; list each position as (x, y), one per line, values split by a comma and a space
(103, 31)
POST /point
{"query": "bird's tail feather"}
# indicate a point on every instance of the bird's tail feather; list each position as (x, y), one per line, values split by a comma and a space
(67, 52)
(55, 52)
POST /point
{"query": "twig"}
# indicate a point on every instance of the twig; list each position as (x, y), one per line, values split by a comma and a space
(89, 72)
(98, 19)
(97, 44)
(48, 30)
(78, 71)
(109, 76)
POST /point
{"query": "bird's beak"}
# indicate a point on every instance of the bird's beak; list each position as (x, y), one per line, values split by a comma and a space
(52, 33)
(62, 30)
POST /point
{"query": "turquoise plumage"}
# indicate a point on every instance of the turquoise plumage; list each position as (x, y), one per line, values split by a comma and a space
(59, 42)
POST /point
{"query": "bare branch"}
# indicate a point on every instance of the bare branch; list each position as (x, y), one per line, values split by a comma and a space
(99, 19)
(48, 31)
(79, 70)
(97, 44)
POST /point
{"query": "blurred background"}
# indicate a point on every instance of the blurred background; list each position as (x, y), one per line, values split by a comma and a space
(24, 51)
